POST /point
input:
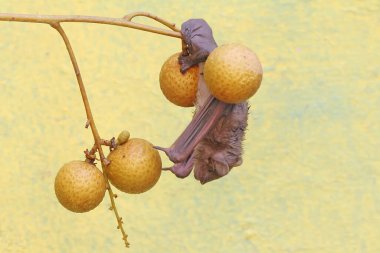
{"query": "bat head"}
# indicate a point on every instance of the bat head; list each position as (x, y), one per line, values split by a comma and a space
(209, 164)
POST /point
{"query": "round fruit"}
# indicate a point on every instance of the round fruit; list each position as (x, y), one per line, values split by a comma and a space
(79, 186)
(233, 73)
(178, 88)
(135, 166)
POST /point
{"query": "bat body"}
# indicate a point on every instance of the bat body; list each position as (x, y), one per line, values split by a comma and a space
(212, 142)
(221, 148)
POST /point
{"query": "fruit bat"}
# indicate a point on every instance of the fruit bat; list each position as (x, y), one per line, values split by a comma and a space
(212, 142)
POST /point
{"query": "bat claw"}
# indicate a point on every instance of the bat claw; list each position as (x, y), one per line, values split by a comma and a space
(165, 150)
(182, 169)
(179, 170)
(160, 148)
(172, 154)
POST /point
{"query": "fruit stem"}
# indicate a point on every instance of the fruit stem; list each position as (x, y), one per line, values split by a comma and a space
(168, 24)
(125, 22)
(90, 154)
(91, 122)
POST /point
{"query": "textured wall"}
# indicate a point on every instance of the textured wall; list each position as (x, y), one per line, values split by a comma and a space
(310, 177)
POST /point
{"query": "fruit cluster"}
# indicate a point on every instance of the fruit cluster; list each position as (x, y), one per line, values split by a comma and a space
(135, 167)
(232, 73)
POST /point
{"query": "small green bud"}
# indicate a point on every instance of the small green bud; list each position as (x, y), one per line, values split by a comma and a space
(123, 137)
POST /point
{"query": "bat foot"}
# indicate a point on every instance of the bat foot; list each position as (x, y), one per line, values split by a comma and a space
(167, 151)
(183, 169)
(161, 148)
(185, 63)
(179, 170)
(174, 171)
(172, 154)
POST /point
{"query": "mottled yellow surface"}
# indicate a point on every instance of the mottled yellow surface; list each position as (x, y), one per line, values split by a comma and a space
(310, 177)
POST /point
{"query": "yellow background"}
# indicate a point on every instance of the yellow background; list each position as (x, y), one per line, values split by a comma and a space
(310, 177)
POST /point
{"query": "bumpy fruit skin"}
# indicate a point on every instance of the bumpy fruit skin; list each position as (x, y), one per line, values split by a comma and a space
(178, 88)
(233, 73)
(79, 186)
(135, 166)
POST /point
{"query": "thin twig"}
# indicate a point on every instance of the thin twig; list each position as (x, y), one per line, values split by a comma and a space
(172, 26)
(56, 19)
(94, 130)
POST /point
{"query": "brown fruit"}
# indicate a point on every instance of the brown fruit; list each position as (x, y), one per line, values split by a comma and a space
(178, 88)
(233, 73)
(135, 166)
(79, 186)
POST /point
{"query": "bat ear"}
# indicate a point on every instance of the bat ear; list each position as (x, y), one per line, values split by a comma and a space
(220, 165)
(239, 162)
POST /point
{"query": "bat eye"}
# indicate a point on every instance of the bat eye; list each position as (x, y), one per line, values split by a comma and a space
(211, 169)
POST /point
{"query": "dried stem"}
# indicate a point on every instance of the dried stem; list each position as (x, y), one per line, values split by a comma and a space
(94, 130)
(56, 19)
(149, 15)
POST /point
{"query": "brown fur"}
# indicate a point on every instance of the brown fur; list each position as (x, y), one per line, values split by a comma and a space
(221, 149)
